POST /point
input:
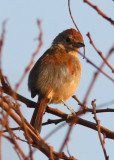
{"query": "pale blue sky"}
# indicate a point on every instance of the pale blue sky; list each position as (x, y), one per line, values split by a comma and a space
(21, 30)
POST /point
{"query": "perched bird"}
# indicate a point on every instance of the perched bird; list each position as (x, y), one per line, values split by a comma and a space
(56, 75)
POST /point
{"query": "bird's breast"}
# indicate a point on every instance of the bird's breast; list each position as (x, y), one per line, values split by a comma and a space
(67, 82)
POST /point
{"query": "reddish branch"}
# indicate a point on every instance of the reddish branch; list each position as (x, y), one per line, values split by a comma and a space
(36, 139)
(17, 110)
(99, 130)
(55, 130)
(74, 23)
(2, 40)
(61, 114)
(99, 12)
(65, 142)
(86, 109)
(14, 141)
(96, 76)
(42, 145)
(76, 120)
(33, 138)
(33, 56)
(99, 69)
(72, 16)
(31, 104)
(100, 53)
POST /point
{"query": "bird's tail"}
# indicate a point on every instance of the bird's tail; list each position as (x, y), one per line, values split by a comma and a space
(36, 120)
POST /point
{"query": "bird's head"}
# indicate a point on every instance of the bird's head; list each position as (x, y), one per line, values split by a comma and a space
(70, 40)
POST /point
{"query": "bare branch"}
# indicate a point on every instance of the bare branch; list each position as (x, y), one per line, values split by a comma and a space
(99, 130)
(95, 77)
(100, 53)
(33, 56)
(98, 68)
(66, 138)
(2, 38)
(99, 12)
(36, 139)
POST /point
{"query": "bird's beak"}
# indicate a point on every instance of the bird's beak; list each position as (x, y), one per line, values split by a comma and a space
(79, 44)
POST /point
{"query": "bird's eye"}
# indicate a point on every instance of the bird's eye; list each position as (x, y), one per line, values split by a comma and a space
(67, 39)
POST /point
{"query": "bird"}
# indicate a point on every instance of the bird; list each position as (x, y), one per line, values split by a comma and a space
(57, 73)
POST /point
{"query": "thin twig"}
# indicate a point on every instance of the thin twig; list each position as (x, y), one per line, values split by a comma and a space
(96, 76)
(99, 130)
(99, 12)
(2, 38)
(87, 109)
(33, 57)
(74, 23)
(63, 115)
(90, 62)
(54, 130)
(72, 17)
(100, 53)
(66, 138)
(36, 139)
(17, 147)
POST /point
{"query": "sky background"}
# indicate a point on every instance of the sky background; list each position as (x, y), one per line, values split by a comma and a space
(20, 43)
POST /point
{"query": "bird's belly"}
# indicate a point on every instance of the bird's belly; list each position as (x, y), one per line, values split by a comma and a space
(66, 90)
